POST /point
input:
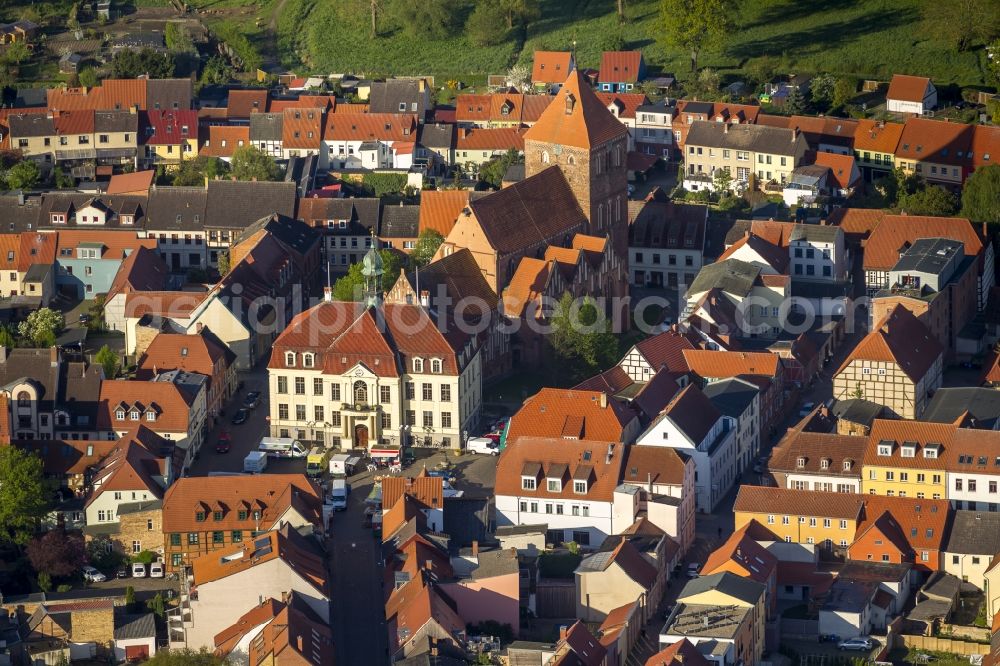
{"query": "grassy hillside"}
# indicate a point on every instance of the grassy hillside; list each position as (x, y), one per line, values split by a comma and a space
(868, 38)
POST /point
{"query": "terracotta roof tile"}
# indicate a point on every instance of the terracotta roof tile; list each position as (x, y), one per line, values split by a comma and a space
(841, 168)
(919, 433)
(742, 553)
(937, 141)
(244, 102)
(36, 248)
(302, 128)
(428, 490)
(168, 303)
(625, 103)
(898, 338)
(771, 500)
(813, 448)
(985, 146)
(907, 88)
(172, 127)
(494, 138)
(137, 182)
(544, 415)
(223, 140)
(710, 364)
(74, 122)
(10, 245)
(227, 639)
(439, 209)
(177, 351)
(370, 127)
(551, 66)
(620, 66)
(116, 245)
(589, 124)
(773, 255)
(928, 517)
(877, 136)
(659, 465)
(681, 653)
(891, 236)
(167, 399)
(576, 459)
(856, 221)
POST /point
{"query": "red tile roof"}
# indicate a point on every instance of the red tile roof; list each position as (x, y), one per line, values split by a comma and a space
(571, 414)
(223, 140)
(370, 127)
(439, 209)
(169, 401)
(985, 146)
(842, 168)
(167, 303)
(36, 248)
(856, 221)
(551, 66)
(899, 338)
(814, 449)
(895, 232)
(117, 245)
(752, 559)
(659, 465)
(921, 434)
(137, 182)
(784, 501)
(244, 102)
(626, 103)
(620, 66)
(490, 139)
(937, 141)
(227, 639)
(172, 127)
(907, 88)
(527, 287)
(588, 124)
(74, 122)
(929, 519)
(572, 459)
(773, 255)
(176, 351)
(302, 128)
(710, 364)
(877, 136)
(681, 653)
(428, 490)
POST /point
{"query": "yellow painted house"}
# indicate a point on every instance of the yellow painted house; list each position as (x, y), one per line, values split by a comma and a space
(825, 519)
(727, 589)
(169, 136)
(907, 459)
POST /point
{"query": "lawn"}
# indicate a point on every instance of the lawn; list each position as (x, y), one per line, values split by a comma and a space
(865, 38)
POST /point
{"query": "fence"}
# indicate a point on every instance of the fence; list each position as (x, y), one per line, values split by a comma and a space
(555, 598)
(980, 634)
(949, 645)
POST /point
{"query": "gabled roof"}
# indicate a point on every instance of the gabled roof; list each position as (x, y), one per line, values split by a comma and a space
(490, 139)
(922, 523)
(657, 465)
(842, 168)
(526, 288)
(142, 270)
(167, 400)
(551, 66)
(729, 584)
(137, 182)
(742, 553)
(571, 415)
(190, 353)
(242, 103)
(974, 533)
(370, 127)
(732, 276)
(578, 647)
(129, 466)
(776, 501)
(908, 88)
(665, 349)
(573, 460)
(899, 338)
(772, 255)
(456, 276)
(439, 209)
(576, 117)
(713, 364)
(168, 127)
(427, 490)
(894, 233)
(667, 225)
(535, 210)
(228, 638)
(819, 453)
(619, 550)
(681, 653)
(692, 412)
(620, 66)
(295, 637)
(223, 140)
(877, 136)
(236, 204)
(926, 140)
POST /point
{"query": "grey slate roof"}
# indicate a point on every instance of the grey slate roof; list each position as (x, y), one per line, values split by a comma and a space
(293, 234)
(400, 222)
(815, 233)
(31, 124)
(176, 208)
(929, 255)
(130, 626)
(116, 121)
(437, 135)
(731, 396)
(731, 276)
(168, 94)
(727, 583)
(756, 138)
(266, 126)
(857, 411)
(974, 533)
(948, 404)
(31, 97)
(234, 204)
(16, 216)
(386, 96)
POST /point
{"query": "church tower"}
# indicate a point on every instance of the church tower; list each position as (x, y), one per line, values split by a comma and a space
(578, 134)
(372, 270)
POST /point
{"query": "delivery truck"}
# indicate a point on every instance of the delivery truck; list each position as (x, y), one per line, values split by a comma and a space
(282, 447)
(255, 462)
(342, 465)
(338, 494)
(316, 461)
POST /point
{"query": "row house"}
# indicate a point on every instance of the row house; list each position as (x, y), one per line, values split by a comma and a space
(875, 143)
(206, 514)
(233, 207)
(770, 153)
(175, 218)
(939, 152)
(666, 242)
(62, 137)
(690, 112)
(348, 376)
(816, 461)
(435, 147)
(587, 415)
(814, 252)
(278, 632)
(367, 141)
(123, 95)
(301, 132)
(897, 365)
(763, 369)
(170, 137)
(87, 261)
(653, 130)
(824, 134)
(346, 226)
(739, 400)
(478, 146)
(501, 109)
(222, 141)
(691, 424)
(624, 107)
(621, 71)
(266, 132)
(741, 298)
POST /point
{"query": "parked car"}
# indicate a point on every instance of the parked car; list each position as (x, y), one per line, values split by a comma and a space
(240, 417)
(251, 400)
(156, 570)
(859, 644)
(138, 570)
(223, 444)
(693, 569)
(84, 319)
(92, 575)
(122, 572)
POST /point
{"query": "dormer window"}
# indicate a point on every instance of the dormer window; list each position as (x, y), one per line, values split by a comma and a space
(126, 219)
(847, 465)
(553, 485)
(150, 415)
(931, 450)
(580, 487)
(885, 448)
(418, 365)
(528, 483)
(58, 218)
(243, 514)
(133, 415)
(199, 516)
(120, 414)
(436, 366)
(308, 360)
(824, 463)
(800, 462)
(289, 359)
(908, 450)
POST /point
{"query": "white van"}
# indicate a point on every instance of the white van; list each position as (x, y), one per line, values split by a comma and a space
(156, 570)
(282, 447)
(338, 494)
(483, 445)
(138, 570)
(255, 462)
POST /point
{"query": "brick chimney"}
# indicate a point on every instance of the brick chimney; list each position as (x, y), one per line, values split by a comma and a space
(475, 549)
(563, 632)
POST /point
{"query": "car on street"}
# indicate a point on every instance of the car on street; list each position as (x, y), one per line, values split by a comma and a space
(240, 417)
(693, 569)
(223, 444)
(251, 400)
(859, 644)
(92, 575)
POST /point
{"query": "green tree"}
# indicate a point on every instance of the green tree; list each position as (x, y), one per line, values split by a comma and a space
(723, 180)
(694, 25)
(130, 596)
(185, 657)
(795, 103)
(73, 18)
(217, 70)
(981, 195)
(194, 172)
(484, 24)
(428, 243)
(23, 176)
(993, 64)
(44, 582)
(223, 263)
(88, 77)
(62, 180)
(429, 19)
(706, 85)
(178, 38)
(762, 70)
(156, 605)
(962, 22)
(129, 64)
(41, 326)
(493, 171)
(519, 12)
(7, 338)
(581, 336)
(350, 286)
(932, 200)
(821, 88)
(108, 360)
(24, 494)
(17, 53)
(251, 163)
(392, 266)
(844, 91)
